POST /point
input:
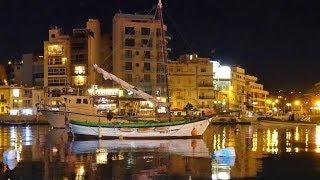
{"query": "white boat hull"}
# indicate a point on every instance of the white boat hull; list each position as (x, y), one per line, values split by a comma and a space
(55, 118)
(175, 131)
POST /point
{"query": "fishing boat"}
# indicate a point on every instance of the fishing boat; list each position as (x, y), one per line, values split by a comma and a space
(85, 120)
(268, 121)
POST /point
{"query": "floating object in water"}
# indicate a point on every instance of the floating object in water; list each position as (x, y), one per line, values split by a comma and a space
(225, 160)
(12, 163)
(225, 152)
(10, 157)
(10, 153)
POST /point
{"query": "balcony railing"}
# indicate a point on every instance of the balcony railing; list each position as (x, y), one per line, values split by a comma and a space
(206, 97)
(205, 85)
(3, 101)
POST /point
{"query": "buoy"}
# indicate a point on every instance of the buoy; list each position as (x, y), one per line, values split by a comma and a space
(225, 152)
(194, 132)
(12, 163)
(10, 153)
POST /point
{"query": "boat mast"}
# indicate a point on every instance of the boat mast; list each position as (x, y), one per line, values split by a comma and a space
(164, 54)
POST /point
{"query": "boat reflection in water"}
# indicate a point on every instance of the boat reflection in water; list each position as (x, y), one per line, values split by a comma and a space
(184, 147)
(221, 167)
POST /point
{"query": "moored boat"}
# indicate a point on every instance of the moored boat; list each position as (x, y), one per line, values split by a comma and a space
(174, 129)
(56, 117)
(279, 122)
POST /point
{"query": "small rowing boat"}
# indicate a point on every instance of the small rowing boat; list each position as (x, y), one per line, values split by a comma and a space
(278, 122)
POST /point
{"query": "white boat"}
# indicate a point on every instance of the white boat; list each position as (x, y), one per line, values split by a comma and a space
(178, 129)
(56, 117)
(85, 119)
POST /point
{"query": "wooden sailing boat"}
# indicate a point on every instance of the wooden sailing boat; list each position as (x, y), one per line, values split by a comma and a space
(85, 121)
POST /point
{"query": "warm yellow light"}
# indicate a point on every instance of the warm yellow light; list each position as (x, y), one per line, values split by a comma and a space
(268, 101)
(317, 103)
(276, 101)
(297, 103)
(288, 104)
(79, 80)
(64, 60)
(15, 92)
(9, 62)
(79, 70)
(55, 49)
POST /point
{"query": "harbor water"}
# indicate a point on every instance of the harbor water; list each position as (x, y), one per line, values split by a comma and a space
(261, 152)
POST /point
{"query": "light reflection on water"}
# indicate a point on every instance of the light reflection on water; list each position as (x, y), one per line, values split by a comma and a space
(54, 157)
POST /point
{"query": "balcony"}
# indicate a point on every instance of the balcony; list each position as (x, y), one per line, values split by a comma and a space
(3, 101)
(205, 85)
(206, 97)
(180, 97)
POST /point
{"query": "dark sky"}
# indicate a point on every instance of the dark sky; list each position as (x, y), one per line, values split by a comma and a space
(277, 40)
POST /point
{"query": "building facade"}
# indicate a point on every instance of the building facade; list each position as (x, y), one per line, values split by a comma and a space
(246, 93)
(57, 73)
(32, 70)
(88, 48)
(137, 56)
(191, 81)
(18, 98)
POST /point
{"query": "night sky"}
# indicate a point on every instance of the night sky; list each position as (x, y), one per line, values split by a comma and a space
(276, 40)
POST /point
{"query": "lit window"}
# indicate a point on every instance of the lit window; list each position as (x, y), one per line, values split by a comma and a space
(79, 70)
(64, 60)
(15, 92)
(79, 80)
(55, 49)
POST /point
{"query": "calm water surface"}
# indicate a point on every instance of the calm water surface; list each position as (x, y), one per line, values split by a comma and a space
(261, 152)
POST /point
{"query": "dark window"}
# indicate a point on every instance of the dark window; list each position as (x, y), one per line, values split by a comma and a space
(128, 66)
(85, 101)
(146, 42)
(147, 66)
(160, 67)
(158, 32)
(129, 42)
(78, 101)
(53, 35)
(137, 53)
(147, 55)
(147, 78)
(160, 78)
(137, 64)
(145, 31)
(203, 69)
(128, 54)
(129, 77)
(129, 30)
